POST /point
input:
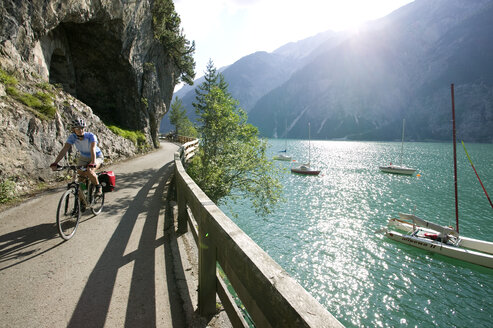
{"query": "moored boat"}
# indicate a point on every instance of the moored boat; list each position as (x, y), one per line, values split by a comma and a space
(305, 169)
(440, 239)
(397, 169)
(282, 157)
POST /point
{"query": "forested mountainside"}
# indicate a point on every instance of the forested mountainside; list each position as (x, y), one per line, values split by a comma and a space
(361, 85)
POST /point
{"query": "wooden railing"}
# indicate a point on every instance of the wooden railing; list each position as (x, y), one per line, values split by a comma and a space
(270, 295)
(176, 138)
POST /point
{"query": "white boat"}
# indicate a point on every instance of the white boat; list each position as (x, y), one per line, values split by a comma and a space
(305, 168)
(399, 169)
(396, 169)
(414, 231)
(282, 157)
(441, 239)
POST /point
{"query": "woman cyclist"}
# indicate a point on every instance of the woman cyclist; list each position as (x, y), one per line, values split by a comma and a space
(90, 154)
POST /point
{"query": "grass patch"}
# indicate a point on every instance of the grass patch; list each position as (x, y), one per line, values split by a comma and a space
(7, 191)
(7, 79)
(137, 137)
(42, 102)
(45, 86)
(47, 107)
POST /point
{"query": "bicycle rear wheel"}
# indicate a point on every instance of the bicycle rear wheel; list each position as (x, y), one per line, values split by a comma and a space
(97, 201)
(68, 214)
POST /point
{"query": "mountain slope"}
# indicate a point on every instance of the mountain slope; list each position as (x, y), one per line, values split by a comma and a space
(399, 67)
(254, 75)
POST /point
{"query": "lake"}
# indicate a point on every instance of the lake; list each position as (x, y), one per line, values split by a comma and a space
(327, 232)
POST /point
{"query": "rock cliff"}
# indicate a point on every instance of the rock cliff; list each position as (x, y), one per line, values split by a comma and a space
(105, 64)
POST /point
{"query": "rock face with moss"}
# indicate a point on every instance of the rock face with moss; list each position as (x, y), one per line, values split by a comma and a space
(105, 64)
(33, 131)
(102, 52)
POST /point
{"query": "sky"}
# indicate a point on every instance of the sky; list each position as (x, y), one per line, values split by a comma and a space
(227, 30)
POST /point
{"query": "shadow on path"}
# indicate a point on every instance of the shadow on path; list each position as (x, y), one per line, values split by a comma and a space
(93, 305)
(28, 243)
(25, 244)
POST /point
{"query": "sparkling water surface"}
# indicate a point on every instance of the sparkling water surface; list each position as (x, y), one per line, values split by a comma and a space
(327, 231)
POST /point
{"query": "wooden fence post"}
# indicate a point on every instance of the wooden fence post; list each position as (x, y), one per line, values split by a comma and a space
(182, 205)
(207, 270)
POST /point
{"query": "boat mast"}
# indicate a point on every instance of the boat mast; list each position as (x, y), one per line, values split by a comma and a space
(455, 160)
(402, 141)
(309, 145)
(472, 165)
(285, 135)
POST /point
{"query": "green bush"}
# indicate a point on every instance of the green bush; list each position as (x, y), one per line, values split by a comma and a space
(7, 191)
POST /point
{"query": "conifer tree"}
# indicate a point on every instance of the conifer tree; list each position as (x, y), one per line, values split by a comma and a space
(178, 117)
(231, 160)
(166, 25)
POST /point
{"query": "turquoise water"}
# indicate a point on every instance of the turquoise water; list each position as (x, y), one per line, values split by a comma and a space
(326, 232)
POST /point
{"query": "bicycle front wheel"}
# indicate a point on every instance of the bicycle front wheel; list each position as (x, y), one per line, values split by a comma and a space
(97, 201)
(68, 214)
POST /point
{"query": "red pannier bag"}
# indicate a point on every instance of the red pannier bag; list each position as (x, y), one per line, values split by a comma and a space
(107, 181)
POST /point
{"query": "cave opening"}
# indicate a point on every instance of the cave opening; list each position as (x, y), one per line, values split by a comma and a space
(61, 71)
(95, 71)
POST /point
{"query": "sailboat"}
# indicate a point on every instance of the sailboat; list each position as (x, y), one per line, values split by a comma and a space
(414, 231)
(305, 168)
(284, 157)
(399, 169)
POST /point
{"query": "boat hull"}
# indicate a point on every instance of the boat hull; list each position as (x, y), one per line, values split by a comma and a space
(282, 158)
(305, 171)
(397, 169)
(471, 243)
(434, 246)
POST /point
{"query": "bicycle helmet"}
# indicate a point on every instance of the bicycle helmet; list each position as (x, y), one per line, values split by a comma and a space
(78, 123)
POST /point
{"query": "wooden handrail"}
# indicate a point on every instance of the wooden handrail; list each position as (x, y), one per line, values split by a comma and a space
(270, 295)
(177, 138)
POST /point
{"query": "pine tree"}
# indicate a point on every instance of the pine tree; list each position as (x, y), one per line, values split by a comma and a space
(212, 78)
(231, 161)
(178, 117)
(166, 25)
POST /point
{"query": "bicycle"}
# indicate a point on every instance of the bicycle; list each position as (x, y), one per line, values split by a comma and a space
(79, 196)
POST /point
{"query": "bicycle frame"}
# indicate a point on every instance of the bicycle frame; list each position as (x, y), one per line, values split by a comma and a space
(76, 200)
(77, 179)
(84, 195)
